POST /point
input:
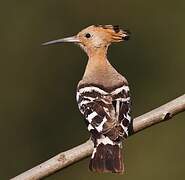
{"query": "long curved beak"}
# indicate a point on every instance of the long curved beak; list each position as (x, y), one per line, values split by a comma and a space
(72, 39)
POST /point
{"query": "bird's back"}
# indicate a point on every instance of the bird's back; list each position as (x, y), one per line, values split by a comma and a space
(103, 98)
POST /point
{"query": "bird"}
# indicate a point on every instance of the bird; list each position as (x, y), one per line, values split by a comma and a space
(103, 97)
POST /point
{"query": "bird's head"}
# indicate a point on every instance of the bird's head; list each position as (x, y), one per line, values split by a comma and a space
(96, 37)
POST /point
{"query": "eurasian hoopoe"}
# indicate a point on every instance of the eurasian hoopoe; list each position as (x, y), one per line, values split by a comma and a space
(103, 97)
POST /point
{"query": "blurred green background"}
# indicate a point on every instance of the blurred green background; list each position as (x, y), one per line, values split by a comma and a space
(38, 112)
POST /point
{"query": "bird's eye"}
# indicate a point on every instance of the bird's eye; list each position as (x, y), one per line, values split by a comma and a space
(87, 35)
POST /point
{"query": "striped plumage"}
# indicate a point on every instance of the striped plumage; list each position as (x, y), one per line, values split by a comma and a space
(105, 109)
(107, 115)
(103, 97)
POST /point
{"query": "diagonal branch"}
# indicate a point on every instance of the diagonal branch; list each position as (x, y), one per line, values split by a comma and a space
(64, 159)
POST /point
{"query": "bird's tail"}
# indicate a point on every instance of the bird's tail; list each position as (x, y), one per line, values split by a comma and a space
(107, 158)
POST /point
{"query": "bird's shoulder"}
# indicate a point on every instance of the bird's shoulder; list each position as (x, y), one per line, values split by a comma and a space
(101, 88)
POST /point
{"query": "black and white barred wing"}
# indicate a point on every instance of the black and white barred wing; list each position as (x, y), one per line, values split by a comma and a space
(96, 106)
(122, 105)
(105, 113)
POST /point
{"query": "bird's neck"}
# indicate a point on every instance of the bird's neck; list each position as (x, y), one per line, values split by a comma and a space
(97, 63)
(97, 53)
(99, 71)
